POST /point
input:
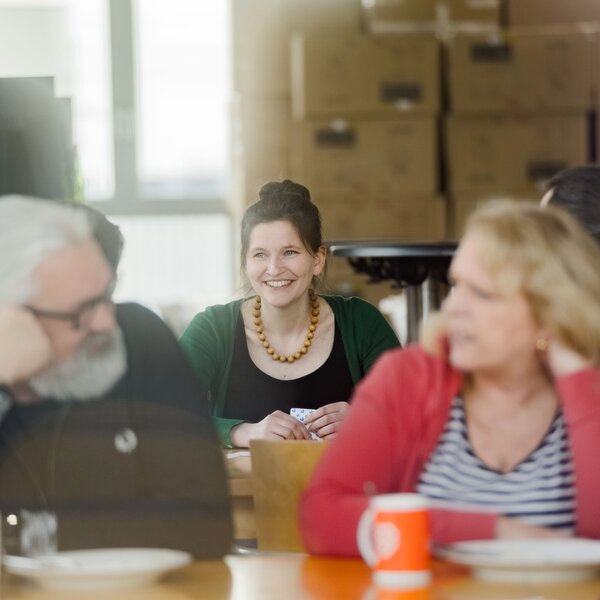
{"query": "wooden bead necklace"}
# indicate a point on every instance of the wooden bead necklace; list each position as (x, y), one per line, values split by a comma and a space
(312, 328)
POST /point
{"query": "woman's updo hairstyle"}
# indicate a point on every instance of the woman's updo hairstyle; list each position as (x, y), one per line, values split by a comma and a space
(284, 201)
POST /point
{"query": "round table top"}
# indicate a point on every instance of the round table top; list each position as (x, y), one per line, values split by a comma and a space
(267, 576)
(393, 249)
(406, 263)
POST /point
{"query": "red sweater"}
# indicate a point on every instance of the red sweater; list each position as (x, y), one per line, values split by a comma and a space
(398, 413)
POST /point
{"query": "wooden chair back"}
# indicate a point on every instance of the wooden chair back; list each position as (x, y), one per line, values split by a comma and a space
(280, 472)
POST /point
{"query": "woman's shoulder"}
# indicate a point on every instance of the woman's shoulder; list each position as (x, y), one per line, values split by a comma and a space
(414, 354)
(217, 316)
(223, 310)
(350, 305)
(416, 361)
(403, 374)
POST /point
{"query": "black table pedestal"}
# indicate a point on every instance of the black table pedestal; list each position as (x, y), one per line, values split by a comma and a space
(419, 268)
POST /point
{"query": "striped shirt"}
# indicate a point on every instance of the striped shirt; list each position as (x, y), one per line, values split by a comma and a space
(539, 490)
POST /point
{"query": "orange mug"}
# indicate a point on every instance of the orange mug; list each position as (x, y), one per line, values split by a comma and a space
(393, 539)
(377, 593)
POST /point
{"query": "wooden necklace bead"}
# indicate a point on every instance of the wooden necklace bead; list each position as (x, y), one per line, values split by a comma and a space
(312, 328)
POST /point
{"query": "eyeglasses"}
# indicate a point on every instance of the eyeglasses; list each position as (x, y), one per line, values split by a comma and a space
(80, 318)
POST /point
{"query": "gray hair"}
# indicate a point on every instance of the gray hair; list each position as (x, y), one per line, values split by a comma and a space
(31, 228)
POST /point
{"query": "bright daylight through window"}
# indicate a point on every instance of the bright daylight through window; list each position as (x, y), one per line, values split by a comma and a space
(147, 83)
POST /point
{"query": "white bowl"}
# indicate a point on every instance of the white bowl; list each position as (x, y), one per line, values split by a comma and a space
(98, 570)
(527, 561)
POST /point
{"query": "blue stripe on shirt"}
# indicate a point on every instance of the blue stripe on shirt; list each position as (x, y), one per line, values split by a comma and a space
(539, 490)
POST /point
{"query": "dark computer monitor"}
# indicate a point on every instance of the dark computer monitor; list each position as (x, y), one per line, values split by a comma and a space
(36, 151)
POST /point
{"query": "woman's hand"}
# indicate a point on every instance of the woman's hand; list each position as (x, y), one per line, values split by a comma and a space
(513, 529)
(562, 360)
(276, 426)
(325, 421)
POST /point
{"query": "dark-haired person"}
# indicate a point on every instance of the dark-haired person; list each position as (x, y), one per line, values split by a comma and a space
(577, 190)
(285, 346)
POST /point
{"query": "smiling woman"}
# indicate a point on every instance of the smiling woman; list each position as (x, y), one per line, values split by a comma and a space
(284, 346)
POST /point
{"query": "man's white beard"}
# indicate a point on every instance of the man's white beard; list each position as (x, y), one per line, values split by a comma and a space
(100, 361)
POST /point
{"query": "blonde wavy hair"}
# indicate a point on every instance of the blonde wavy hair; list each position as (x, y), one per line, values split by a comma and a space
(543, 253)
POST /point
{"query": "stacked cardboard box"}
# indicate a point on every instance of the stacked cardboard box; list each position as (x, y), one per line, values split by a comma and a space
(365, 139)
(365, 132)
(337, 74)
(386, 157)
(261, 110)
(550, 12)
(520, 105)
(386, 16)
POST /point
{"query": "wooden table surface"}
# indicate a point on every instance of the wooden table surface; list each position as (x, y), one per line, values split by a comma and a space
(239, 471)
(299, 577)
(273, 576)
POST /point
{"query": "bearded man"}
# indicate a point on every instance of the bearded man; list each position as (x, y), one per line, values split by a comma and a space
(102, 427)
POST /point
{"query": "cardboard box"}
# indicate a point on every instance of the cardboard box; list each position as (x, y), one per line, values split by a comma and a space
(387, 156)
(384, 16)
(396, 217)
(503, 153)
(393, 11)
(521, 72)
(403, 218)
(551, 12)
(461, 206)
(478, 11)
(341, 74)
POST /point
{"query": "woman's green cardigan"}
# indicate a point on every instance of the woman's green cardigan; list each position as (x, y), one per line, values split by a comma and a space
(208, 342)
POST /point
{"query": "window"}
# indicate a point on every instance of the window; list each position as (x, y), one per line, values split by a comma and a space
(149, 87)
(68, 41)
(177, 264)
(182, 98)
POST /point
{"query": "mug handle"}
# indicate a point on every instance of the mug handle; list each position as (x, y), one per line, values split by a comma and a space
(364, 537)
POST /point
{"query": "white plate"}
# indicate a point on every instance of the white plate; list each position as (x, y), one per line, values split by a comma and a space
(98, 570)
(527, 560)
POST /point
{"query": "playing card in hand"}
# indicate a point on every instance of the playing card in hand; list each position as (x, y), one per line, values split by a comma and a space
(301, 414)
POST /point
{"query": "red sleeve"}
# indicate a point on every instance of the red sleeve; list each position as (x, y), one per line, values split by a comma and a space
(385, 440)
(580, 396)
(357, 462)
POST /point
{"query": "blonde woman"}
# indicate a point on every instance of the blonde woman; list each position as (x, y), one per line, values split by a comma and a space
(498, 420)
